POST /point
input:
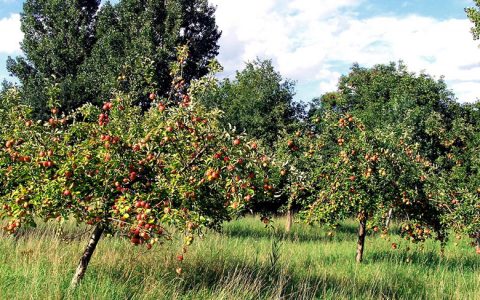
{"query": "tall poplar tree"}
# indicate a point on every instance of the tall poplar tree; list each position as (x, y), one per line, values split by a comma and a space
(87, 52)
(137, 40)
(58, 36)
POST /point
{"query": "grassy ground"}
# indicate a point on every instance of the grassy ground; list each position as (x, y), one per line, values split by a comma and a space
(247, 261)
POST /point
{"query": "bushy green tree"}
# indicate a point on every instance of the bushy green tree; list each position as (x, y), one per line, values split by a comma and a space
(459, 182)
(137, 41)
(82, 49)
(387, 95)
(58, 37)
(389, 98)
(258, 100)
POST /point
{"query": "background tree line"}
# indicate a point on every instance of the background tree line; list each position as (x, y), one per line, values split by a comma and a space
(87, 51)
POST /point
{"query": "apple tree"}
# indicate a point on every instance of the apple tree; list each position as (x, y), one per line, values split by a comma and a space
(363, 174)
(118, 169)
(459, 182)
(294, 161)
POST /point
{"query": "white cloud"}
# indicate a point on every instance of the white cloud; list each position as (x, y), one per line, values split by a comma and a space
(10, 34)
(308, 40)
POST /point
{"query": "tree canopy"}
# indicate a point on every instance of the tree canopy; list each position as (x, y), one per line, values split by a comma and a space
(81, 48)
(258, 101)
(389, 95)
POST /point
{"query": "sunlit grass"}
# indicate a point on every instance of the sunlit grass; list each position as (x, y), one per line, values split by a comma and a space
(246, 261)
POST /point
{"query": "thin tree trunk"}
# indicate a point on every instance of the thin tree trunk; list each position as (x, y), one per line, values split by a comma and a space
(477, 248)
(362, 233)
(87, 255)
(442, 250)
(288, 225)
(389, 218)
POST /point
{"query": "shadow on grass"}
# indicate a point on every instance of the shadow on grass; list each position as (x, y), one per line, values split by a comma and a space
(427, 259)
(314, 234)
(261, 281)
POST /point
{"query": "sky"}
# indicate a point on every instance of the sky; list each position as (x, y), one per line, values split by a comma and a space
(314, 42)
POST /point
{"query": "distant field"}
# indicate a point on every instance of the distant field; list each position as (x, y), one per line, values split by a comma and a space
(247, 261)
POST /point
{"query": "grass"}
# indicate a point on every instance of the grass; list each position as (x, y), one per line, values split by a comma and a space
(246, 261)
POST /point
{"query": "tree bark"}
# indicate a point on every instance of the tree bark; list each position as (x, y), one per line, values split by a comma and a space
(87, 255)
(477, 248)
(288, 225)
(362, 233)
(389, 218)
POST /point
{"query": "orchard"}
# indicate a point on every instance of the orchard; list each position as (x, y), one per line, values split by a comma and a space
(172, 169)
(187, 182)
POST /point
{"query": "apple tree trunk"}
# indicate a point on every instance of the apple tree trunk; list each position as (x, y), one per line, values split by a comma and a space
(389, 218)
(87, 255)
(362, 233)
(288, 224)
(477, 244)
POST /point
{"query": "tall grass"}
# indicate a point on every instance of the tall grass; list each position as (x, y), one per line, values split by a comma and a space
(245, 261)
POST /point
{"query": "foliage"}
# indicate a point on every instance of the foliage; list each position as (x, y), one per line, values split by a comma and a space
(258, 101)
(170, 167)
(294, 163)
(138, 40)
(66, 42)
(388, 95)
(460, 182)
(388, 99)
(338, 169)
(58, 38)
(474, 16)
(369, 172)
